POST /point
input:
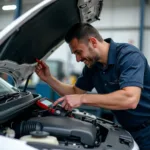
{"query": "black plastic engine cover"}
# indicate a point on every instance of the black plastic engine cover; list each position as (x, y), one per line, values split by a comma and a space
(63, 126)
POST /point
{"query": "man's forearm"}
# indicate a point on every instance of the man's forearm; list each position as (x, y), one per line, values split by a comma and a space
(119, 100)
(61, 88)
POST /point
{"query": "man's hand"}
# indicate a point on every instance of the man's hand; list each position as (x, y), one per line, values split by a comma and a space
(42, 70)
(70, 101)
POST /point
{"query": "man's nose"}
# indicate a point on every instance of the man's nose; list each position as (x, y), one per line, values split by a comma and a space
(78, 58)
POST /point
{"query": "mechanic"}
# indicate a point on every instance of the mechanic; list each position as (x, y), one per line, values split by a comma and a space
(118, 71)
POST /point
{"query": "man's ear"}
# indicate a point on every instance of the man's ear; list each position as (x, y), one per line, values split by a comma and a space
(93, 41)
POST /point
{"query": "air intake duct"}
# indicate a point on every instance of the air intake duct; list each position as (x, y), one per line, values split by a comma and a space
(25, 127)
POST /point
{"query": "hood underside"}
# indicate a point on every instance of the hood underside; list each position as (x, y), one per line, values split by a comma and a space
(37, 33)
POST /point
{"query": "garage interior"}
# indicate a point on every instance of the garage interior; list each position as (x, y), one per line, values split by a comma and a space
(125, 21)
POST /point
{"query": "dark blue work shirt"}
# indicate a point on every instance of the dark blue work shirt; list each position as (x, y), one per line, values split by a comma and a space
(126, 66)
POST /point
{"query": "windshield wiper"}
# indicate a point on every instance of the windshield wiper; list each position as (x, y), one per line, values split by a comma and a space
(7, 96)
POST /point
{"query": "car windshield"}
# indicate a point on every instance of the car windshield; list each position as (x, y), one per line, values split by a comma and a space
(6, 88)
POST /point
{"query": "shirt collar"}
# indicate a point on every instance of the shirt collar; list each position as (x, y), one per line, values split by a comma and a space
(112, 51)
(111, 54)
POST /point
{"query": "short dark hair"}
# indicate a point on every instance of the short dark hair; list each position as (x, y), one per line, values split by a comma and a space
(82, 31)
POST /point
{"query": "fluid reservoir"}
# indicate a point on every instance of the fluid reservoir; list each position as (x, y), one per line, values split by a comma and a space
(40, 136)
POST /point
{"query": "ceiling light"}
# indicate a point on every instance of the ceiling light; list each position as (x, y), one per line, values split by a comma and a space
(9, 7)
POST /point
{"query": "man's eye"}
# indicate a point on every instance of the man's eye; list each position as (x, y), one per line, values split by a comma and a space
(78, 53)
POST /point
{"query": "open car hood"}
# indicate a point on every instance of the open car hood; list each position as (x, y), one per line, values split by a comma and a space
(38, 32)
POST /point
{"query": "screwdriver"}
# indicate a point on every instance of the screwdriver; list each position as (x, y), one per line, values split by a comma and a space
(40, 62)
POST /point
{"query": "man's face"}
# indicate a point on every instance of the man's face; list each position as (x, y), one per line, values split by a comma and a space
(84, 52)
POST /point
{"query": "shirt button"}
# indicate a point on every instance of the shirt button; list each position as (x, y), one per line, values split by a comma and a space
(105, 84)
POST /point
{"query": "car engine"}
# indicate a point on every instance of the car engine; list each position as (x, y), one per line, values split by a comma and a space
(56, 128)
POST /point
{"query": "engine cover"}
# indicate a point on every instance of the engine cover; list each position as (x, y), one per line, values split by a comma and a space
(68, 127)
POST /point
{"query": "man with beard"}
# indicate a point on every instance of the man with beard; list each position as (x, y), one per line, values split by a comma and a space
(118, 71)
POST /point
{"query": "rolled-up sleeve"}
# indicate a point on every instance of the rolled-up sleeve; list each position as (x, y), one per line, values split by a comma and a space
(131, 66)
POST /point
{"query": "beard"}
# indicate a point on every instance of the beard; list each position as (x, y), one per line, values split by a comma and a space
(92, 59)
(91, 62)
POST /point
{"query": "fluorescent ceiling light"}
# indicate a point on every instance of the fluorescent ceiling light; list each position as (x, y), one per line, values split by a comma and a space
(9, 7)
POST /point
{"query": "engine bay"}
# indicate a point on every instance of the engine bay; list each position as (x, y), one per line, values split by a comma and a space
(43, 126)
